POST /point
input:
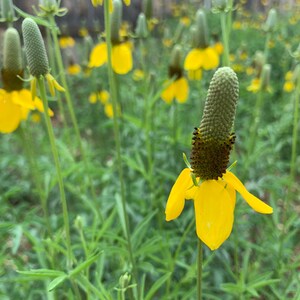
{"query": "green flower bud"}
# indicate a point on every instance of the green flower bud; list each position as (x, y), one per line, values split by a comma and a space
(35, 49)
(271, 20)
(115, 22)
(202, 29)
(141, 27)
(213, 140)
(12, 60)
(7, 11)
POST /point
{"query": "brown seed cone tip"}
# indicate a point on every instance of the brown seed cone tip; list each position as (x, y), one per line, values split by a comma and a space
(11, 81)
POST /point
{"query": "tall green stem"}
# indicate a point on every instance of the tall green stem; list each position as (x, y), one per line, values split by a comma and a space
(113, 92)
(199, 270)
(295, 134)
(63, 199)
(64, 82)
(225, 39)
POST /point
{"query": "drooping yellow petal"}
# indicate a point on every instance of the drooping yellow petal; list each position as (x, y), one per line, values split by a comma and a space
(253, 201)
(168, 93)
(211, 58)
(121, 58)
(176, 199)
(195, 74)
(214, 213)
(40, 107)
(181, 89)
(10, 113)
(23, 98)
(127, 2)
(194, 60)
(98, 56)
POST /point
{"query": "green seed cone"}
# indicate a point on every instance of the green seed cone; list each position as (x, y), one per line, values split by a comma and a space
(148, 8)
(12, 54)
(220, 105)
(141, 27)
(213, 140)
(12, 61)
(175, 67)
(115, 22)
(202, 29)
(35, 49)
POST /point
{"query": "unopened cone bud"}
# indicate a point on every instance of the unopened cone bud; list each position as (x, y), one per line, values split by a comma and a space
(202, 29)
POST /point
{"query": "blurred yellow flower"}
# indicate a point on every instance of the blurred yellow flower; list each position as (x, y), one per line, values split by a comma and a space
(206, 58)
(195, 74)
(214, 203)
(254, 86)
(73, 69)
(66, 42)
(218, 46)
(185, 20)
(138, 75)
(167, 42)
(96, 3)
(121, 57)
(289, 84)
(108, 109)
(101, 96)
(177, 89)
(14, 108)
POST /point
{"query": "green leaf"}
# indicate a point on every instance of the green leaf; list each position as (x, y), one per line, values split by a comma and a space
(84, 265)
(55, 282)
(157, 285)
(42, 273)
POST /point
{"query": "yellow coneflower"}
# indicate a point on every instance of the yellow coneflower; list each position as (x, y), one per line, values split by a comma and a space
(121, 50)
(202, 55)
(206, 181)
(177, 86)
(66, 42)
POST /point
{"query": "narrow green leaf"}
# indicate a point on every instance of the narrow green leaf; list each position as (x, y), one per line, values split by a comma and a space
(157, 285)
(55, 282)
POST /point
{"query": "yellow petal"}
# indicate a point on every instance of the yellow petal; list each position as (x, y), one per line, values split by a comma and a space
(214, 213)
(253, 201)
(181, 89)
(93, 98)
(168, 93)
(33, 84)
(98, 56)
(127, 2)
(58, 86)
(109, 111)
(176, 199)
(194, 60)
(121, 58)
(10, 113)
(50, 84)
(211, 58)
(40, 107)
(195, 74)
(103, 96)
(23, 98)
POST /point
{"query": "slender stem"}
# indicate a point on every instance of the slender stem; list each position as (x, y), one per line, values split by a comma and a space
(27, 142)
(64, 82)
(113, 92)
(63, 199)
(255, 122)
(199, 270)
(225, 39)
(295, 134)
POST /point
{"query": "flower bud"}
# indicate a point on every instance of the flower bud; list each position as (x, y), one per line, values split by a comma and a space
(213, 140)
(115, 22)
(35, 49)
(271, 20)
(141, 27)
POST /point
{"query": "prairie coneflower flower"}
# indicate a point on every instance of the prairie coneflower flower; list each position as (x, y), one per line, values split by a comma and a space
(202, 55)
(15, 101)
(290, 79)
(261, 83)
(206, 180)
(111, 5)
(66, 42)
(121, 50)
(37, 57)
(177, 86)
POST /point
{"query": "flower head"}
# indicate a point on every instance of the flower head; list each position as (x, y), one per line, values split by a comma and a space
(206, 180)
